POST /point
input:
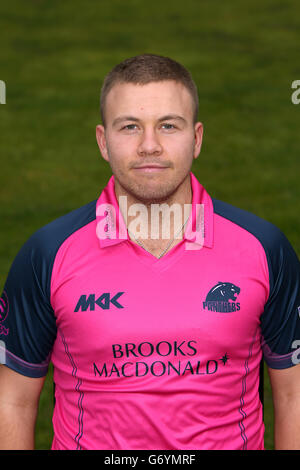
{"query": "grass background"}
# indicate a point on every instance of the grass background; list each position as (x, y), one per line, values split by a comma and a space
(243, 55)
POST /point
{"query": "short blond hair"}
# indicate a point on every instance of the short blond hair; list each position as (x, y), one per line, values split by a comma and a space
(146, 68)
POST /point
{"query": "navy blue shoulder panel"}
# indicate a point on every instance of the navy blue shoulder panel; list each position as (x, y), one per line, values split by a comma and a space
(280, 320)
(27, 320)
(263, 230)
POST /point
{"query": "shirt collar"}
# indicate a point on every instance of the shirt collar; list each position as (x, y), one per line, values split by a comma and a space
(111, 228)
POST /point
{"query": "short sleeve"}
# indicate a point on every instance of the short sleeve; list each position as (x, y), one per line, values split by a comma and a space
(280, 321)
(27, 321)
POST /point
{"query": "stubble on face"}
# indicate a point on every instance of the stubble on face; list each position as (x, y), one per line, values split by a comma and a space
(149, 189)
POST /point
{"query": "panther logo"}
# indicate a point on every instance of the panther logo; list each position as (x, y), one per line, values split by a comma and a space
(223, 291)
(217, 299)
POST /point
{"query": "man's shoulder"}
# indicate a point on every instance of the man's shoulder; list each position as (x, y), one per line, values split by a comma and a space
(47, 239)
(70, 221)
(268, 234)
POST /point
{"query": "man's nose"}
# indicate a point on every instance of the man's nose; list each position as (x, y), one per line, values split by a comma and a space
(149, 143)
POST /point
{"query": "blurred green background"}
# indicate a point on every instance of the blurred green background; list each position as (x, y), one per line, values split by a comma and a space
(243, 55)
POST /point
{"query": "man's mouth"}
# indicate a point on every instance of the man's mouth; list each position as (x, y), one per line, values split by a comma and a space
(150, 168)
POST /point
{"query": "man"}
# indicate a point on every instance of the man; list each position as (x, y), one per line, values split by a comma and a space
(156, 341)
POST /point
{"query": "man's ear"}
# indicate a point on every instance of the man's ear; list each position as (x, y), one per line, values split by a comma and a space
(198, 138)
(101, 140)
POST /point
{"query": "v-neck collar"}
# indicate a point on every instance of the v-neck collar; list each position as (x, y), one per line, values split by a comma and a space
(111, 228)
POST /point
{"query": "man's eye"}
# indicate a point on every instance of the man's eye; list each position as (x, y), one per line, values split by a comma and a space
(129, 127)
(168, 126)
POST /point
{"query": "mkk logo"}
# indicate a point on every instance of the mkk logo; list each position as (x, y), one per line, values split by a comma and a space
(217, 300)
(104, 301)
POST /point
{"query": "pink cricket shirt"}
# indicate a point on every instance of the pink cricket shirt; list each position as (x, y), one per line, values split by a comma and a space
(153, 353)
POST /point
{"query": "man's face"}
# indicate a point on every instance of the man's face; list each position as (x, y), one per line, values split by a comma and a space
(150, 139)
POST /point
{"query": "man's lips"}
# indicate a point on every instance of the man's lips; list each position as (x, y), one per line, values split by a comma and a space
(150, 168)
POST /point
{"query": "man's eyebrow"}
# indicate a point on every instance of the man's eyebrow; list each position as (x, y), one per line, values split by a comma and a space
(172, 117)
(124, 118)
(168, 117)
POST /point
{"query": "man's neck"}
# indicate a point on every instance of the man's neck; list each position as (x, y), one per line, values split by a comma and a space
(156, 225)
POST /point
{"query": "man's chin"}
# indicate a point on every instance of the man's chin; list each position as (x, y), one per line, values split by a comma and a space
(149, 190)
(153, 196)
